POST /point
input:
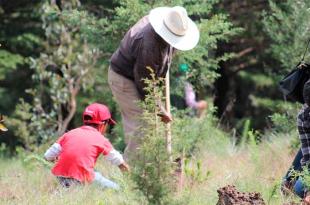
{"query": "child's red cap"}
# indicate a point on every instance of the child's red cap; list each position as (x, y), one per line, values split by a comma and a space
(98, 113)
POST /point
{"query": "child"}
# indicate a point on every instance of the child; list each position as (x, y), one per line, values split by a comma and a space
(76, 151)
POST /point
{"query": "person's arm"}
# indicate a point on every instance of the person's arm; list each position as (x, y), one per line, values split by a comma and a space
(190, 97)
(117, 159)
(303, 125)
(53, 152)
(148, 56)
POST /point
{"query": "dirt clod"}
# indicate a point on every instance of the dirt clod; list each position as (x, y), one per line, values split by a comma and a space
(229, 195)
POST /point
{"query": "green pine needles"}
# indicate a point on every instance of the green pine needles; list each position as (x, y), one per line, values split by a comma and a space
(153, 170)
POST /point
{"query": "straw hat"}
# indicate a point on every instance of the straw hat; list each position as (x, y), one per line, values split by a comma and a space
(175, 27)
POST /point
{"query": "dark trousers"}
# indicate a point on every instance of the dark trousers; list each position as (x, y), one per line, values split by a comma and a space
(296, 166)
(296, 184)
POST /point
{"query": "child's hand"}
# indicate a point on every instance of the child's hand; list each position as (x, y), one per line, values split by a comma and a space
(124, 167)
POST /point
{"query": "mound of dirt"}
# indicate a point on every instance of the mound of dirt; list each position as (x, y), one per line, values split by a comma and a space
(229, 195)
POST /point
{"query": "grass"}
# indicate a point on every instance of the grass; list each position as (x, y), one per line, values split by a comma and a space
(33, 184)
(252, 168)
(258, 168)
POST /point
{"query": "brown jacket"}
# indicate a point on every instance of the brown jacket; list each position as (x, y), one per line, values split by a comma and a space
(141, 47)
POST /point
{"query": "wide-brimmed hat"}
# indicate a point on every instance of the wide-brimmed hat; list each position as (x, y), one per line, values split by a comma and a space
(175, 27)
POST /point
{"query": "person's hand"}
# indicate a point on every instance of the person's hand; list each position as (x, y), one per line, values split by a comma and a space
(202, 105)
(165, 117)
(124, 167)
(306, 200)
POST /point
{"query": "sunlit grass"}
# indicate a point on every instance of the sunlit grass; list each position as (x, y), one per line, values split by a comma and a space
(34, 184)
(251, 168)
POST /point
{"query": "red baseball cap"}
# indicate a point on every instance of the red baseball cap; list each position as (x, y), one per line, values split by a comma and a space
(98, 113)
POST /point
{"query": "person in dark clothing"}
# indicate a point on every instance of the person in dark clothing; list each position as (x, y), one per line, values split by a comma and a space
(150, 43)
(302, 158)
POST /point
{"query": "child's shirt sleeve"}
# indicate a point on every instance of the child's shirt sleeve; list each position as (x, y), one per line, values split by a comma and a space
(54, 151)
(115, 157)
(106, 147)
(61, 140)
(111, 154)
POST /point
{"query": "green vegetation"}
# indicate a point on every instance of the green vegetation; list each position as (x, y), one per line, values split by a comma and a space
(152, 169)
(54, 59)
(220, 162)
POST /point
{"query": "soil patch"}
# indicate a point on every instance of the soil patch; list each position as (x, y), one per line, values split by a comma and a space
(229, 195)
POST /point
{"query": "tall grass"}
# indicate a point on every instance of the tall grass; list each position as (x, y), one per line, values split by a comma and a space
(258, 168)
(215, 162)
(33, 183)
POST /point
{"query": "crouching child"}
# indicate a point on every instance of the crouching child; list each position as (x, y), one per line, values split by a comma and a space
(76, 152)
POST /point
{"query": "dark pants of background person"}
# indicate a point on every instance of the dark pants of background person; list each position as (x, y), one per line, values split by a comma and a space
(297, 184)
(296, 166)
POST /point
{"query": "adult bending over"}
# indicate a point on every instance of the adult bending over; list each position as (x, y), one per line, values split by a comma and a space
(151, 42)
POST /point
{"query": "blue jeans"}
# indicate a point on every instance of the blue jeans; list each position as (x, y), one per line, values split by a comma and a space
(296, 166)
(299, 188)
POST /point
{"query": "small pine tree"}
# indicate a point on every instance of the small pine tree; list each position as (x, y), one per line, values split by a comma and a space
(153, 170)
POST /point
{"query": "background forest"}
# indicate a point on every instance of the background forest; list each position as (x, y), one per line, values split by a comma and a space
(54, 57)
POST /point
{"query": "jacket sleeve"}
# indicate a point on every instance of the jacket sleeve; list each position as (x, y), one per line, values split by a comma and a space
(303, 125)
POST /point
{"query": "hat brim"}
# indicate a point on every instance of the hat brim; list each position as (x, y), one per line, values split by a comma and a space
(183, 43)
(112, 122)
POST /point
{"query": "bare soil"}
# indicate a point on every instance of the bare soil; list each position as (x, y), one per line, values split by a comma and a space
(229, 195)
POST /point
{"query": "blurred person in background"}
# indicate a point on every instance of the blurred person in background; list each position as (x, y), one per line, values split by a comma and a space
(188, 99)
